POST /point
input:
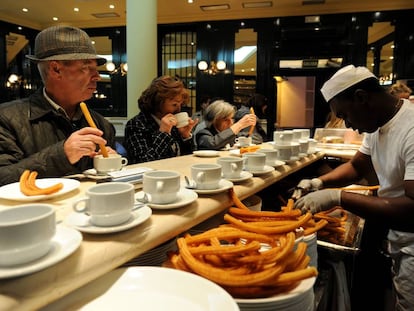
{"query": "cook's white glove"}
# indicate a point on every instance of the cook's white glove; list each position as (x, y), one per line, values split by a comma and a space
(305, 186)
(318, 201)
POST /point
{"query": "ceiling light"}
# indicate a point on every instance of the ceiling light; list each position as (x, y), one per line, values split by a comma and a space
(76, 9)
(105, 15)
(215, 7)
(111, 6)
(55, 18)
(263, 4)
(305, 2)
(25, 10)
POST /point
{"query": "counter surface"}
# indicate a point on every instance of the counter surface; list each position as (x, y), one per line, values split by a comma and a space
(99, 254)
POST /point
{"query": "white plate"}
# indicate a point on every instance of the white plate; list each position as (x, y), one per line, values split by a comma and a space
(277, 163)
(224, 185)
(206, 153)
(81, 222)
(185, 197)
(237, 145)
(243, 176)
(302, 287)
(148, 288)
(266, 170)
(64, 243)
(235, 152)
(12, 191)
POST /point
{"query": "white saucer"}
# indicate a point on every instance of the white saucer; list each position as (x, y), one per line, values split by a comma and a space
(243, 176)
(266, 170)
(277, 163)
(185, 197)
(64, 243)
(81, 222)
(206, 153)
(235, 152)
(292, 160)
(224, 185)
(237, 145)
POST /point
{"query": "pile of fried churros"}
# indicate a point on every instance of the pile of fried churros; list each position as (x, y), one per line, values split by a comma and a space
(335, 229)
(27, 184)
(249, 149)
(254, 254)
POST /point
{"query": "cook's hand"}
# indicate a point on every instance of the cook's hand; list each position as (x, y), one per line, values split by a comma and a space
(83, 143)
(318, 201)
(305, 186)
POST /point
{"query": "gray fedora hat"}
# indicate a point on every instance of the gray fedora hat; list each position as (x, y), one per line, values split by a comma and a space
(64, 43)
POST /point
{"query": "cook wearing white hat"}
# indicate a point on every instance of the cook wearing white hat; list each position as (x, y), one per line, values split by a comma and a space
(386, 153)
(343, 79)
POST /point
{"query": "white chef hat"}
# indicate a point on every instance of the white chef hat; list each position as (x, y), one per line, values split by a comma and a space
(343, 79)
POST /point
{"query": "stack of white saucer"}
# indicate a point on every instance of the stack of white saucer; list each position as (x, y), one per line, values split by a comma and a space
(154, 257)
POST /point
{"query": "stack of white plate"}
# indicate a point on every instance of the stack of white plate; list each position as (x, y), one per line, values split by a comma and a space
(300, 298)
(154, 257)
(312, 250)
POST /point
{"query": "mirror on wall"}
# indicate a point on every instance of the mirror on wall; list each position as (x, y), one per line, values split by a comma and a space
(245, 51)
(380, 54)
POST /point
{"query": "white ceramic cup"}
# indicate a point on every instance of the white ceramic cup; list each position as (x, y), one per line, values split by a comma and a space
(312, 145)
(271, 156)
(295, 149)
(161, 186)
(297, 134)
(114, 162)
(206, 175)
(231, 166)
(254, 161)
(284, 151)
(108, 204)
(182, 119)
(283, 137)
(244, 141)
(305, 134)
(26, 232)
(303, 147)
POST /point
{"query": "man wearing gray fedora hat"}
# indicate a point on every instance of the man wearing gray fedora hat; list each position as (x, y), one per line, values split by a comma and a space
(47, 131)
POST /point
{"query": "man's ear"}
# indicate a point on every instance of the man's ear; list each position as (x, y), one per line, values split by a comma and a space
(361, 96)
(54, 67)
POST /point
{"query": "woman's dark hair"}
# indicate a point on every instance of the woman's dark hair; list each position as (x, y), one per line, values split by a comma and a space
(258, 102)
(161, 89)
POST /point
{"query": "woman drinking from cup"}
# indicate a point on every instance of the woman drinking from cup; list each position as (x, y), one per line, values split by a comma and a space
(156, 133)
(220, 128)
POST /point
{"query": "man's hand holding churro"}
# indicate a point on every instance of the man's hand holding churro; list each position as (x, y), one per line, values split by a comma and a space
(83, 143)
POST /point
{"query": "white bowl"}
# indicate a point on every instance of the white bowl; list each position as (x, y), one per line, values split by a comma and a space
(26, 232)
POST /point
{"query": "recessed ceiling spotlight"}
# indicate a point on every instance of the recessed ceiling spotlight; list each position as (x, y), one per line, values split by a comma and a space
(215, 7)
(111, 6)
(25, 10)
(190, 1)
(263, 4)
(76, 9)
(55, 18)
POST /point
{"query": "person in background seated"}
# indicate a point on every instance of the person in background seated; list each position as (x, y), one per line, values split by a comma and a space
(205, 101)
(152, 134)
(356, 95)
(334, 122)
(47, 131)
(400, 90)
(259, 104)
(220, 128)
